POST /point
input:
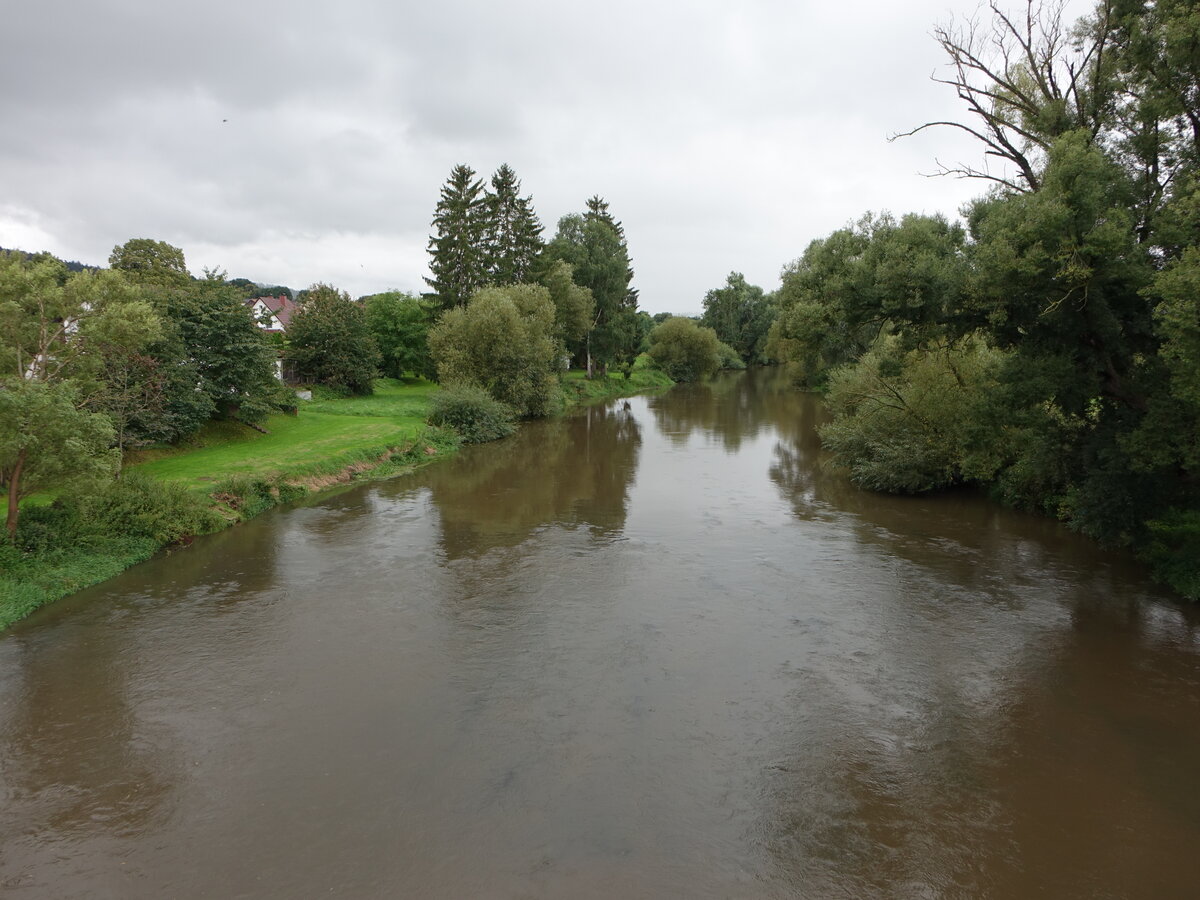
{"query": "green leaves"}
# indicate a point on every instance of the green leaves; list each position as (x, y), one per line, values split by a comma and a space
(458, 259)
(331, 342)
(685, 350)
(503, 341)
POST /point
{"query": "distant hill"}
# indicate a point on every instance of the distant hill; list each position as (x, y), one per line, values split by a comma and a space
(71, 264)
(248, 287)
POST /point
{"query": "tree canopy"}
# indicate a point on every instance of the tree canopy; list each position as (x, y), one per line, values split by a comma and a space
(685, 350)
(593, 244)
(502, 341)
(458, 258)
(147, 261)
(331, 342)
(1048, 350)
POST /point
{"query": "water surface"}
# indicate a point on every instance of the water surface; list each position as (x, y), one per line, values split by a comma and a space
(655, 649)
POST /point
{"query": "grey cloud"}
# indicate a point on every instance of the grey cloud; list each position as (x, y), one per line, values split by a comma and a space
(725, 136)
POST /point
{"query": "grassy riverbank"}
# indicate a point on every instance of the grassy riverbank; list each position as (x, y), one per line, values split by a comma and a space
(229, 473)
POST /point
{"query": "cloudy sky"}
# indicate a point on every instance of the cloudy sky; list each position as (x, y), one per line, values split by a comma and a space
(294, 142)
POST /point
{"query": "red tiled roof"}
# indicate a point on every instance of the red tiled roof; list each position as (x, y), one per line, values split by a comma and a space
(281, 307)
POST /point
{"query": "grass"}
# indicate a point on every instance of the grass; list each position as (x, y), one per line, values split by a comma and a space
(324, 434)
(579, 389)
(233, 472)
(24, 588)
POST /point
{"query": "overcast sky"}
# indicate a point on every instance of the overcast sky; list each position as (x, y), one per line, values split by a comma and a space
(294, 142)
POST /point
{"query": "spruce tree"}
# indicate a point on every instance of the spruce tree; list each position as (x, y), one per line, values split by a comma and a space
(513, 234)
(594, 245)
(598, 210)
(456, 252)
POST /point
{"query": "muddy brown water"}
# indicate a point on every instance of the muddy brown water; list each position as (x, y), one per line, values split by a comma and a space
(654, 649)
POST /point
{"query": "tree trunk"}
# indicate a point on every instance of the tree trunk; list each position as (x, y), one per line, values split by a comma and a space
(14, 493)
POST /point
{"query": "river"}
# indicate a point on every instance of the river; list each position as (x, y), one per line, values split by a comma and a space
(653, 649)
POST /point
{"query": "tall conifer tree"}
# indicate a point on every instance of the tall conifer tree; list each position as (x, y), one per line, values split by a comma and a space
(512, 234)
(456, 252)
(594, 245)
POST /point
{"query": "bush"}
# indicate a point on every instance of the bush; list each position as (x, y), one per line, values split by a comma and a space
(1173, 551)
(684, 350)
(138, 506)
(730, 359)
(503, 340)
(902, 421)
(246, 494)
(45, 529)
(473, 413)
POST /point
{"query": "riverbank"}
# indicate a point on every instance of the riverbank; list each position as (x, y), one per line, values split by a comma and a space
(230, 473)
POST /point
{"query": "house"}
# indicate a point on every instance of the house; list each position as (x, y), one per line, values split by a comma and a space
(273, 314)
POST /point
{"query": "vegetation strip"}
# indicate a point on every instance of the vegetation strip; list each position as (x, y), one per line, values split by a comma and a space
(230, 473)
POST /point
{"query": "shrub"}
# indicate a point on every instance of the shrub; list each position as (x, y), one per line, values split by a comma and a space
(44, 529)
(503, 340)
(473, 413)
(730, 359)
(1173, 551)
(138, 506)
(684, 350)
(246, 494)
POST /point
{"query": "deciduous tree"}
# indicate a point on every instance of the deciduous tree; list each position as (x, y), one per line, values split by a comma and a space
(331, 342)
(147, 261)
(400, 324)
(503, 341)
(685, 350)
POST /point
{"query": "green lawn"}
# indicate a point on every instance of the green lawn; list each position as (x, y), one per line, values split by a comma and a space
(642, 378)
(323, 434)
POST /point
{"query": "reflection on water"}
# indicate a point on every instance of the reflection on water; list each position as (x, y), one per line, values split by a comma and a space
(654, 649)
(575, 471)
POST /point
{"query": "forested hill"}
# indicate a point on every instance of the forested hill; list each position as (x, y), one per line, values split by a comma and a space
(71, 264)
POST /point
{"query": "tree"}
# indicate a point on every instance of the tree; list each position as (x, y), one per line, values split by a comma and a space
(147, 261)
(400, 324)
(1026, 80)
(741, 314)
(512, 234)
(685, 350)
(46, 438)
(502, 341)
(218, 361)
(594, 245)
(906, 421)
(456, 248)
(873, 277)
(573, 305)
(331, 342)
(57, 330)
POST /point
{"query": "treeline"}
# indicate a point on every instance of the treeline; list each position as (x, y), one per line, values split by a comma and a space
(1048, 347)
(95, 362)
(492, 238)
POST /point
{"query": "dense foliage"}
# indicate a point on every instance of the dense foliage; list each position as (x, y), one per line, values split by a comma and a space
(331, 343)
(593, 244)
(685, 350)
(741, 314)
(503, 340)
(400, 324)
(473, 413)
(1049, 349)
(95, 362)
